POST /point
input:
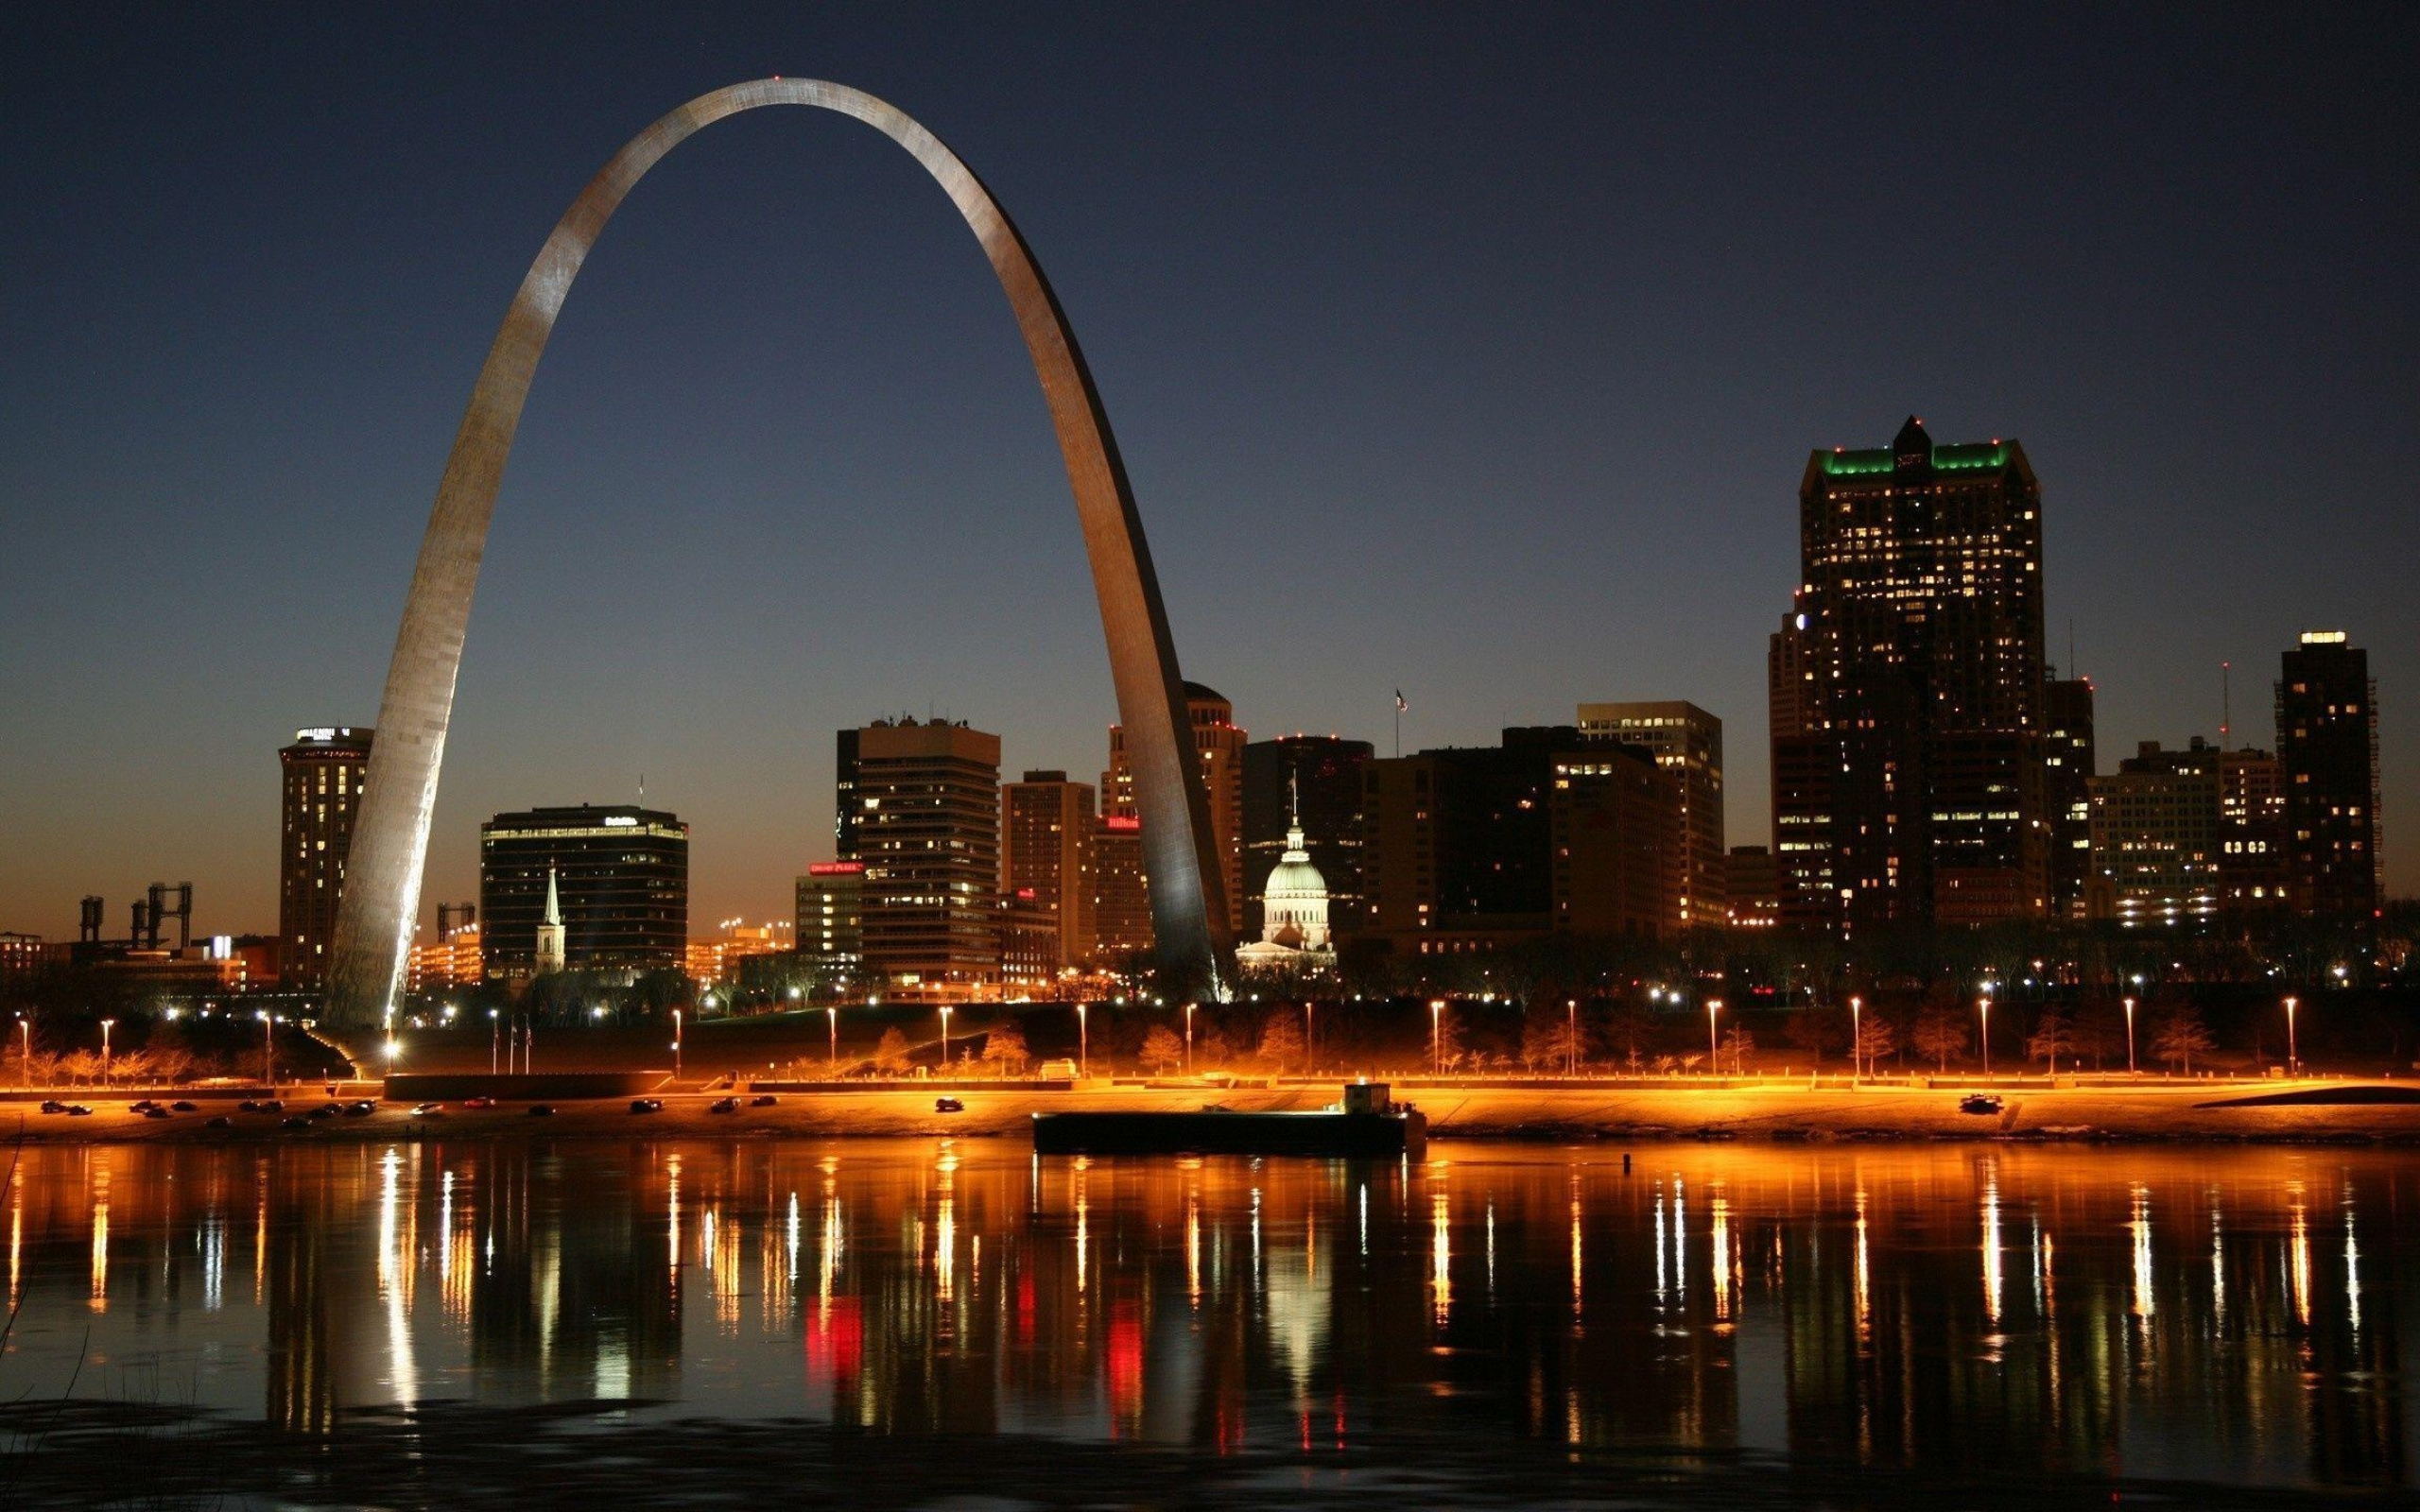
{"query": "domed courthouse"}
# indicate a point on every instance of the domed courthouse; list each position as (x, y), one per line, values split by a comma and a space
(1294, 924)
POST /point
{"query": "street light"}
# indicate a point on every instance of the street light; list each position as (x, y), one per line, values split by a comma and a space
(1571, 1037)
(1306, 1035)
(1189, 1038)
(25, 1040)
(832, 1017)
(1857, 1039)
(676, 1044)
(1713, 1054)
(2293, 1061)
(1084, 1044)
(1436, 1035)
(105, 1050)
(2130, 1038)
(1983, 1005)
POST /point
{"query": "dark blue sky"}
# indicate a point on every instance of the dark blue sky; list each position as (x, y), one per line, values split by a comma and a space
(1471, 350)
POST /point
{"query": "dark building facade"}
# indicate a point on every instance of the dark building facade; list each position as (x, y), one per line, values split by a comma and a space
(1909, 779)
(2328, 754)
(1686, 742)
(2251, 832)
(2070, 762)
(322, 773)
(621, 876)
(1047, 833)
(927, 827)
(831, 931)
(1325, 771)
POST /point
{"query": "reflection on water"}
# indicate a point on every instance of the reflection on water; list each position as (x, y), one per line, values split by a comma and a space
(2231, 1315)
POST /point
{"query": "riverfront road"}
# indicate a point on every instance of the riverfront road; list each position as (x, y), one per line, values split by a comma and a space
(1578, 1111)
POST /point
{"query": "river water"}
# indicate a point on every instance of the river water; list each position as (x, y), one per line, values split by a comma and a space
(912, 1322)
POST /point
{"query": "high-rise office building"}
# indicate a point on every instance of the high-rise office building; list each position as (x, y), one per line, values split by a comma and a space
(1474, 850)
(2327, 752)
(2155, 837)
(2251, 832)
(618, 874)
(1121, 892)
(1321, 774)
(322, 771)
(1046, 838)
(831, 938)
(1686, 742)
(928, 828)
(1221, 744)
(1913, 663)
(2070, 763)
(1754, 893)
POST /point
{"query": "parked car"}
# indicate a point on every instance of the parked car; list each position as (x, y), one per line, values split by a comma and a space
(762, 1100)
(155, 1110)
(724, 1105)
(327, 1111)
(360, 1109)
(144, 1107)
(52, 1104)
(1978, 1103)
(429, 1111)
(78, 1111)
(181, 1107)
(295, 1121)
(542, 1109)
(647, 1105)
(479, 1102)
(948, 1105)
(219, 1121)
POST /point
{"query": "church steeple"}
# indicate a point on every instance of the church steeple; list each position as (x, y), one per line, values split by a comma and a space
(550, 931)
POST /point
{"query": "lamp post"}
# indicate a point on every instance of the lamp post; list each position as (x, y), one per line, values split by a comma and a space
(496, 1039)
(268, 1051)
(529, 1046)
(1307, 1037)
(1436, 1035)
(2293, 1061)
(1857, 1039)
(1571, 1037)
(944, 1037)
(676, 1044)
(105, 1050)
(26, 1047)
(1713, 1053)
(1084, 1044)
(1189, 1038)
(2130, 1038)
(1983, 1006)
(832, 1017)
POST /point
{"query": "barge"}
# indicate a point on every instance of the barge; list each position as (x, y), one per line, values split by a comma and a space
(1367, 1124)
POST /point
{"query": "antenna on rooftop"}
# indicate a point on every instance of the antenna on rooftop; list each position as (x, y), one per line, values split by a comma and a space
(2226, 705)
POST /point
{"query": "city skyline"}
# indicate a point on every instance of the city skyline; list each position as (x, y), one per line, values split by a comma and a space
(1312, 567)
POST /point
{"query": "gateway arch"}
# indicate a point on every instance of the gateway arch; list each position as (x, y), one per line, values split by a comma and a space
(390, 830)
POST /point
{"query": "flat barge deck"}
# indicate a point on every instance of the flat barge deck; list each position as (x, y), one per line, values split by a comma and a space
(1366, 1125)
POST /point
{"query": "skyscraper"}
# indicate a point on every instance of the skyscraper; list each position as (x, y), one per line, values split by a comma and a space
(616, 877)
(2251, 832)
(1121, 894)
(2155, 837)
(1687, 741)
(1221, 744)
(322, 772)
(1913, 659)
(2328, 753)
(1047, 838)
(831, 941)
(2071, 763)
(928, 828)
(1325, 773)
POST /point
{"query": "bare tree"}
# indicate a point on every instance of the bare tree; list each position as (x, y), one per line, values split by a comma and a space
(890, 1056)
(1737, 1045)
(1940, 1032)
(1875, 1038)
(2052, 1036)
(1281, 1039)
(2183, 1036)
(1004, 1048)
(1163, 1049)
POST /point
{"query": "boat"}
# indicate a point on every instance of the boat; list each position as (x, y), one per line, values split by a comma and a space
(1367, 1122)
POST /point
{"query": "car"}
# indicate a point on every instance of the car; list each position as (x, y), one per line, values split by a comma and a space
(762, 1100)
(647, 1105)
(183, 1107)
(52, 1104)
(723, 1105)
(219, 1121)
(429, 1111)
(327, 1111)
(78, 1111)
(948, 1105)
(1978, 1103)
(295, 1121)
(542, 1109)
(155, 1110)
(479, 1102)
(250, 1104)
(144, 1107)
(360, 1109)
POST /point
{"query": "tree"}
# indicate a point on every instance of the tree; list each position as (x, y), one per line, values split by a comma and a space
(1163, 1049)
(1281, 1039)
(1816, 1030)
(2052, 1036)
(1737, 1045)
(890, 1056)
(1004, 1048)
(2100, 1032)
(1875, 1038)
(1941, 1032)
(2183, 1036)
(1550, 1042)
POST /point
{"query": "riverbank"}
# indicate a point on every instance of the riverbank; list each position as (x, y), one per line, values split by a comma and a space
(2387, 1112)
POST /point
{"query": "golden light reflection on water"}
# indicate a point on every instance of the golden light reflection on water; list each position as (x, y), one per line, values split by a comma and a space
(921, 1288)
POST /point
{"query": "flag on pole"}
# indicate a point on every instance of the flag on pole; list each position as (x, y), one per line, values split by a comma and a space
(1400, 705)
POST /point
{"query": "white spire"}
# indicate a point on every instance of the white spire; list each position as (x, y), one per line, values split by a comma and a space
(554, 906)
(550, 932)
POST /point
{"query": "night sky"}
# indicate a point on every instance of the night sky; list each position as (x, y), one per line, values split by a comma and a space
(1474, 352)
